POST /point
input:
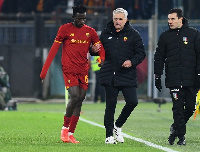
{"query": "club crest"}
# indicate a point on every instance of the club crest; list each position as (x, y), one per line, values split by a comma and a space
(125, 38)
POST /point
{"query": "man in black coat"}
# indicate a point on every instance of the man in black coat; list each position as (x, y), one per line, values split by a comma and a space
(179, 50)
(124, 50)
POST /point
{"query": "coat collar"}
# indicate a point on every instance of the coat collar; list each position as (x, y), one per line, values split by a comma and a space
(110, 27)
(185, 25)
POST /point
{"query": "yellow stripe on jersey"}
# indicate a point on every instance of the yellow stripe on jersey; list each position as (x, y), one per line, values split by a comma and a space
(96, 43)
(57, 41)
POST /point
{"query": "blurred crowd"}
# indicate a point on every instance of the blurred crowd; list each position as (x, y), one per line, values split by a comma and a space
(6, 102)
(137, 9)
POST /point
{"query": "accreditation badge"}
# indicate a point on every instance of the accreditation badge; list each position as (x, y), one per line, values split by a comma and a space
(185, 40)
(175, 96)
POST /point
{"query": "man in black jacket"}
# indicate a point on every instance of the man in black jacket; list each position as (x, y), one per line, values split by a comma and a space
(179, 50)
(124, 50)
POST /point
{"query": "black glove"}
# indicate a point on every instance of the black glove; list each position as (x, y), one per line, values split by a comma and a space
(158, 82)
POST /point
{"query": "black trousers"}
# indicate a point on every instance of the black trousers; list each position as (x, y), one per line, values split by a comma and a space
(99, 89)
(131, 100)
(184, 100)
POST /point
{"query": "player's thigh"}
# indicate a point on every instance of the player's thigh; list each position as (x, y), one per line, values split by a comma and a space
(70, 79)
(83, 80)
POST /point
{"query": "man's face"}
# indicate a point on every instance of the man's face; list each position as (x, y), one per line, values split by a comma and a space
(79, 19)
(174, 22)
(119, 21)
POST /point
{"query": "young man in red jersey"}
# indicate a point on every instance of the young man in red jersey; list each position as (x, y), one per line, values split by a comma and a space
(76, 38)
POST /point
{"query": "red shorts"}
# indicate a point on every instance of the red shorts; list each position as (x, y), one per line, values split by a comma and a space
(73, 79)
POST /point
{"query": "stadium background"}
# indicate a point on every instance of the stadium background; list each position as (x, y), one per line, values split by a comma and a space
(25, 40)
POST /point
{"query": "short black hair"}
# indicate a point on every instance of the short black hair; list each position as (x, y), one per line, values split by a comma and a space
(178, 11)
(79, 9)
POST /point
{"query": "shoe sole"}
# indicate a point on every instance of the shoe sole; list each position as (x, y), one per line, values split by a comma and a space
(119, 141)
(65, 140)
(71, 142)
(111, 143)
(77, 142)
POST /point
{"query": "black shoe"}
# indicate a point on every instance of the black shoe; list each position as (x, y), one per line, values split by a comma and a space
(172, 135)
(181, 141)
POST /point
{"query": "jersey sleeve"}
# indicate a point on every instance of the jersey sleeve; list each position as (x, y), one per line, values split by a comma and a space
(53, 51)
(95, 41)
(102, 52)
(61, 34)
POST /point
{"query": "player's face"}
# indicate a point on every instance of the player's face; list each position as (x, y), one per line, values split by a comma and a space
(119, 21)
(79, 19)
(174, 22)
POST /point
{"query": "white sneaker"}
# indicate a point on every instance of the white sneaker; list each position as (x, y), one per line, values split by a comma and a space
(110, 140)
(118, 134)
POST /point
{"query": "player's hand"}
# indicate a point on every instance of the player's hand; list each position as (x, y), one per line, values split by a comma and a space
(96, 48)
(42, 80)
(158, 82)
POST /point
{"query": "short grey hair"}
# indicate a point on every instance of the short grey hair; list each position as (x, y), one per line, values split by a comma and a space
(121, 10)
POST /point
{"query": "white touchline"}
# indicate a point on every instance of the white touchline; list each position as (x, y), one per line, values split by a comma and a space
(133, 138)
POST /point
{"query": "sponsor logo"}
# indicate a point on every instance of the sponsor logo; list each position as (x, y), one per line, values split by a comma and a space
(175, 90)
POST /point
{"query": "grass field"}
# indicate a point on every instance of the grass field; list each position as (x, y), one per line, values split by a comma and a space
(36, 128)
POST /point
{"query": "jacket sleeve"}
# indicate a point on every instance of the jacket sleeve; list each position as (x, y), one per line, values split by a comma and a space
(139, 49)
(197, 50)
(159, 57)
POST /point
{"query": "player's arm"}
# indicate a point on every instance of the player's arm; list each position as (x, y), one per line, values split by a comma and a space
(94, 49)
(97, 43)
(52, 53)
(101, 52)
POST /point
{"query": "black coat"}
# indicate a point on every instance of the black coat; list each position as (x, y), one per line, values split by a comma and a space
(119, 47)
(179, 51)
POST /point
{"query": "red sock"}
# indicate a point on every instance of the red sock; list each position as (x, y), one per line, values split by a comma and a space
(73, 123)
(66, 121)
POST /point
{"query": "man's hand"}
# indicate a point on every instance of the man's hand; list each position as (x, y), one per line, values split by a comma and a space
(127, 64)
(96, 48)
(158, 82)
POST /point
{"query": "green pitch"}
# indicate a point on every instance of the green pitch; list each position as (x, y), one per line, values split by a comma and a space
(36, 128)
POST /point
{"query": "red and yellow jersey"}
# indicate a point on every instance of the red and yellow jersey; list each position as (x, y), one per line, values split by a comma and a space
(76, 43)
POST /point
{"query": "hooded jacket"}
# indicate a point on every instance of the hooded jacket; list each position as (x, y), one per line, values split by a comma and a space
(119, 47)
(179, 50)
